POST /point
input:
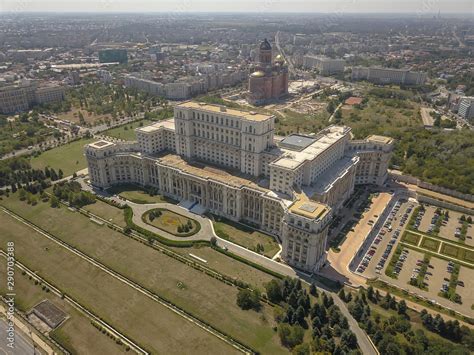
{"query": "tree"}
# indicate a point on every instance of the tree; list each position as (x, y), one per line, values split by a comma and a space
(402, 307)
(22, 194)
(349, 339)
(313, 290)
(247, 299)
(342, 295)
(54, 202)
(290, 335)
(273, 290)
(301, 349)
(213, 241)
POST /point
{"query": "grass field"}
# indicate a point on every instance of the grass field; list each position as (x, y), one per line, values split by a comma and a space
(215, 260)
(170, 221)
(129, 311)
(137, 195)
(126, 132)
(201, 294)
(108, 212)
(246, 237)
(457, 252)
(76, 333)
(411, 238)
(69, 158)
(430, 244)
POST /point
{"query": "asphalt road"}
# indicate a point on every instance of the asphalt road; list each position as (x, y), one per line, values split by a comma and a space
(23, 344)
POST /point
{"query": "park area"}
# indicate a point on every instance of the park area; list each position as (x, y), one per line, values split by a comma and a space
(127, 131)
(171, 222)
(197, 293)
(69, 157)
(246, 236)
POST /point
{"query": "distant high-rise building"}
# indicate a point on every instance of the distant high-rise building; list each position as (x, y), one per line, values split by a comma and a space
(325, 65)
(113, 56)
(269, 81)
(466, 108)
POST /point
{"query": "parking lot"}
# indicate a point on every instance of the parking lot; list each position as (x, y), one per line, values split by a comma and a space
(453, 226)
(466, 292)
(428, 219)
(380, 251)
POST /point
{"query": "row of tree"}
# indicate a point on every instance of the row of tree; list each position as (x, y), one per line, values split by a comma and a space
(393, 334)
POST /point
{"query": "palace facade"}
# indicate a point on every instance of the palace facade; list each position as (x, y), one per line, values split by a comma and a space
(229, 163)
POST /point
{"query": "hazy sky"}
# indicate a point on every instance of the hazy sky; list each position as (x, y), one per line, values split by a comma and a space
(341, 6)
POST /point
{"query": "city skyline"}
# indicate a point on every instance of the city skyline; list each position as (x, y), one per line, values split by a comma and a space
(248, 6)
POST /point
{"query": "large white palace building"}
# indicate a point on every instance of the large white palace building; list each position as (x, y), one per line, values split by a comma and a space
(230, 163)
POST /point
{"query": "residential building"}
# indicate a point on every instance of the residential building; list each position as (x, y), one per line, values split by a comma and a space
(388, 76)
(19, 98)
(325, 65)
(466, 108)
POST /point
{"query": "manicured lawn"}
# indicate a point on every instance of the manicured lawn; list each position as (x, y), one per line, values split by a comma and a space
(450, 250)
(69, 157)
(458, 252)
(136, 194)
(129, 311)
(76, 333)
(170, 221)
(227, 265)
(127, 132)
(201, 295)
(246, 236)
(108, 212)
(411, 238)
(430, 244)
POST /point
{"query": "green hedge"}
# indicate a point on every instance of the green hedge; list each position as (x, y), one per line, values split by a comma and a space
(181, 235)
(128, 214)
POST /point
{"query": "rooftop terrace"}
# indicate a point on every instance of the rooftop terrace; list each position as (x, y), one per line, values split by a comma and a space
(217, 109)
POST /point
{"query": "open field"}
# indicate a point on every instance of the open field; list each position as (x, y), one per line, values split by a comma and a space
(246, 237)
(120, 305)
(76, 333)
(199, 294)
(69, 158)
(126, 132)
(108, 212)
(227, 265)
(215, 260)
(170, 221)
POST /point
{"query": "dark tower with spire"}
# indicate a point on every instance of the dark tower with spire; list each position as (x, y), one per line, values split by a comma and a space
(265, 54)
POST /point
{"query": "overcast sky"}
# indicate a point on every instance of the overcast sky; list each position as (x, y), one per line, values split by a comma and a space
(341, 6)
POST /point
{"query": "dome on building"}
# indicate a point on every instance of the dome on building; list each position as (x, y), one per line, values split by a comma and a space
(279, 59)
(257, 74)
(265, 45)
